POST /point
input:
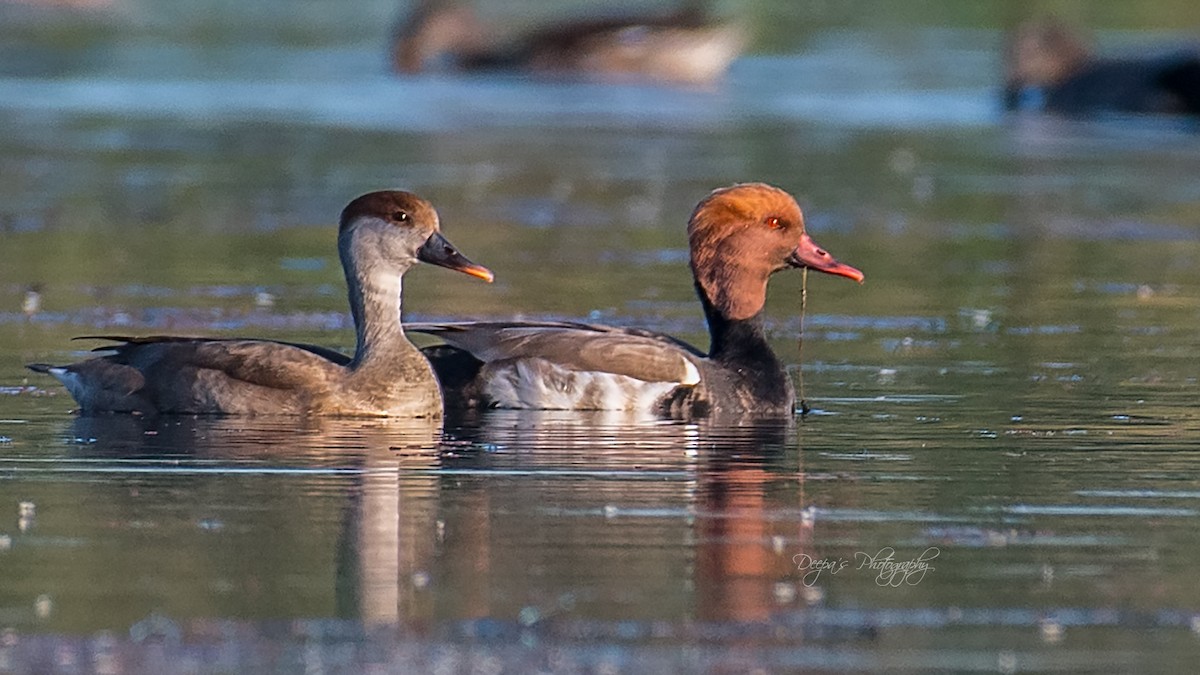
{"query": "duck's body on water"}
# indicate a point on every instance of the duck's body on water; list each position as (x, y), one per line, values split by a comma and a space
(381, 236)
(738, 237)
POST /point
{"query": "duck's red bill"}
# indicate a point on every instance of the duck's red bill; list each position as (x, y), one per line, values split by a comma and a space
(809, 255)
(438, 251)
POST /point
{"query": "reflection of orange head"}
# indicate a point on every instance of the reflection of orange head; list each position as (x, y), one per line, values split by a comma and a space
(736, 568)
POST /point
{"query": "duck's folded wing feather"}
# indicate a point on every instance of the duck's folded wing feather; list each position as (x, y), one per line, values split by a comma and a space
(324, 352)
(278, 365)
(646, 356)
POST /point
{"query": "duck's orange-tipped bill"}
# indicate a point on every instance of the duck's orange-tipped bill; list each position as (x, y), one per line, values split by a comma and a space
(438, 251)
(809, 255)
(479, 272)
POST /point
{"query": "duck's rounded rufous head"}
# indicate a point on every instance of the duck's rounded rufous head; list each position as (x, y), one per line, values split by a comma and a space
(400, 228)
(740, 235)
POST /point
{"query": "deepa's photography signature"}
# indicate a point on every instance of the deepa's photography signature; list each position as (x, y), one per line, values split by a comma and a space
(889, 571)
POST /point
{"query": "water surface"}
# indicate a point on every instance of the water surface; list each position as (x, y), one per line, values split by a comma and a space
(1010, 398)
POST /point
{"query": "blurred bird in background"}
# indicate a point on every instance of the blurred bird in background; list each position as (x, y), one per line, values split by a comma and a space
(1053, 68)
(684, 46)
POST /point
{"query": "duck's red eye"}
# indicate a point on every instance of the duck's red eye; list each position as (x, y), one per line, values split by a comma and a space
(774, 223)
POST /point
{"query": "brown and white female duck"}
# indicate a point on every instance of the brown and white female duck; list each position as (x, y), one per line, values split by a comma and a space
(381, 235)
(684, 46)
(739, 236)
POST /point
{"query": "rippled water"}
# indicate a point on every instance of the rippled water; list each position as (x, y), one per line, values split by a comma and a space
(1010, 399)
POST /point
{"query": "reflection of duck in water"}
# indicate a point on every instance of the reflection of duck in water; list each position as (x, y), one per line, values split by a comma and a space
(298, 473)
(684, 46)
(739, 236)
(1050, 67)
(380, 237)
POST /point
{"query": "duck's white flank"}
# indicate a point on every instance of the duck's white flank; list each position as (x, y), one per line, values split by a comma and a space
(540, 384)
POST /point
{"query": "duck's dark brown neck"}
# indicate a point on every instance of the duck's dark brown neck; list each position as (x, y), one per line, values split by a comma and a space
(740, 347)
(736, 340)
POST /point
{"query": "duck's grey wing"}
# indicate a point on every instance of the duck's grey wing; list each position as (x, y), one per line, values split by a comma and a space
(263, 363)
(641, 355)
(187, 375)
(324, 352)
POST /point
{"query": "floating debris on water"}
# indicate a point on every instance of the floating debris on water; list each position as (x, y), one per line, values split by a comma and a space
(264, 300)
(808, 516)
(529, 616)
(812, 595)
(26, 514)
(43, 606)
(31, 304)
(1051, 631)
(977, 320)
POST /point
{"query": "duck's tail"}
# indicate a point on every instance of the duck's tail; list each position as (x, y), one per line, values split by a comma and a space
(40, 368)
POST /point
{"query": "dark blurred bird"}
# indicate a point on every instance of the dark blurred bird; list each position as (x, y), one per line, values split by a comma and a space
(1050, 67)
(685, 46)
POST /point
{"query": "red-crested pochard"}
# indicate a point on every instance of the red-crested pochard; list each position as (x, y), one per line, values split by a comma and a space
(380, 236)
(739, 236)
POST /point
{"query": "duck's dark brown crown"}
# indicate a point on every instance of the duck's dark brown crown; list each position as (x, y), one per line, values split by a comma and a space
(396, 206)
